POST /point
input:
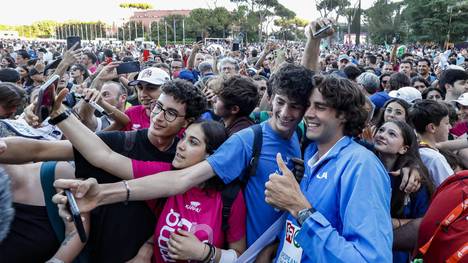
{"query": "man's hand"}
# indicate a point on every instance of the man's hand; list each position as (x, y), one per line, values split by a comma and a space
(58, 106)
(109, 72)
(30, 117)
(71, 56)
(197, 47)
(410, 179)
(86, 194)
(184, 245)
(283, 191)
(312, 28)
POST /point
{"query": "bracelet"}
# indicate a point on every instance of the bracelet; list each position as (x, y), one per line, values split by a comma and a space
(204, 258)
(213, 255)
(210, 254)
(59, 118)
(128, 192)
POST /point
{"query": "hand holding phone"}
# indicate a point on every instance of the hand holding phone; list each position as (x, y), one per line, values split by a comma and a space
(46, 98)
(75, 212)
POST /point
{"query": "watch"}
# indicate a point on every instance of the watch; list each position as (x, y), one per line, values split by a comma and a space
(59, 118)
(304, 214)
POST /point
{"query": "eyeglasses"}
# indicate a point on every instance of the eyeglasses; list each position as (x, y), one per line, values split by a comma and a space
(169, 115)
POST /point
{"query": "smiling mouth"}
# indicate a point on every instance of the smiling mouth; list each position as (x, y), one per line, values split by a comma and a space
(179, 156)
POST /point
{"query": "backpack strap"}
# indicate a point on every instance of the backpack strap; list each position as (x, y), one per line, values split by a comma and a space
(47, 183)
(256, 117)
(453, 215)
(231, 190)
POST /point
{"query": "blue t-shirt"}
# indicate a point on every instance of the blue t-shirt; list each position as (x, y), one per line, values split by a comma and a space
(415, 208)
(233, 157)
(350, 190)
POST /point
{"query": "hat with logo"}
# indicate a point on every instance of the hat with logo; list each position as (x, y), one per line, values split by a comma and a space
(155, 76)
(408, 94)
(463, 99)
(344, 56)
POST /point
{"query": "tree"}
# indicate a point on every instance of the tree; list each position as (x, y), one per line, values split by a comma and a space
(436, 20)
(290, 29)
(327, 8)
(384, 21)
(142, 6)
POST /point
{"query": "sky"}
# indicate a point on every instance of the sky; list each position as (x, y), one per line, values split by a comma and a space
(109, 10)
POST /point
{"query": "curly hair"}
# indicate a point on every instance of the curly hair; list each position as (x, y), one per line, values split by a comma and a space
(185, 92)
(240, 91)
(346, 98)
(296, 82)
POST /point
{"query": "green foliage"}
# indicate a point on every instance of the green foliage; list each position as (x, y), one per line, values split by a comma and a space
(384, 20)
(141, 6)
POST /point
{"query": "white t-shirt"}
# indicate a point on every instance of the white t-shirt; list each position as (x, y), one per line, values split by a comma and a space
(438, 167)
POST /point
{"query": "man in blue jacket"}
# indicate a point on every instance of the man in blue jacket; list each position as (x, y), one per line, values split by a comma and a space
(341, 210)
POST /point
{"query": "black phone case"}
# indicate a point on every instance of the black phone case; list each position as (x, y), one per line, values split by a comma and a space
(76, 216)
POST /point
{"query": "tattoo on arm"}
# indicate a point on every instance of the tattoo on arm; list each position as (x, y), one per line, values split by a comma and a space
(68, 238)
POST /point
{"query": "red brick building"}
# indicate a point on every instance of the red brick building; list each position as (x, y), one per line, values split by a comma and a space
(149, 16)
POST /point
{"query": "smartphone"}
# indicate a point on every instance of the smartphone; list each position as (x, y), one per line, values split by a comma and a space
(199, 39)
(45, 98)
(75, 212)
(235, 46)
(128, 67)
(72, 40)
(321, 30)
(146, 54)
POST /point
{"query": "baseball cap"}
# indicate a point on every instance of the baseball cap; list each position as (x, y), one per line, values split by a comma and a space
(408, 94)
(344, 56)
(187, 75)
(151, 75)
(463, 99)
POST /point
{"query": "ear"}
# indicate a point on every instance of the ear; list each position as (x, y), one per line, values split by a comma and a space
(403, 149)
(448, 86)
(341, 116)
(431, 128)
(234, 110)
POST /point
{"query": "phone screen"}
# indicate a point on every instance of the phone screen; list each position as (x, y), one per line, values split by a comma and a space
(321, 30)
(146, 55)
(128, 67)
(72, 40)
(45, 99)
(235, 46)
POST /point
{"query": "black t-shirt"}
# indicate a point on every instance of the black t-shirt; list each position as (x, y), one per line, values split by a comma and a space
(117, 230)
(30, 228)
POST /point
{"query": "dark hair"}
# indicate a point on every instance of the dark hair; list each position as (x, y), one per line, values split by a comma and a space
(412, 160)
(11, 62)
(406, 55)
(254, 53)
(162, 65)
(184, 92)
(23, 53)
(407, 62)
(91, 56)
(83, 69)
(403, 103)
(425, 112)
(215, 135)
(419, 79)
(108, 53)
(426, 60)
(450, 76)
(11, 94)
(426, 92)
(346, 98)
(399, 80)
(295, 82)
(352, 72)
(372, 59)
(240, 91)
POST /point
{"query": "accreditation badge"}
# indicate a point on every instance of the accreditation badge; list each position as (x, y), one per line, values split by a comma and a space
(291, 251)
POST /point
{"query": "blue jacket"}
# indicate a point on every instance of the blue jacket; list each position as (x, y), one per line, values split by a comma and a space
(350, 189)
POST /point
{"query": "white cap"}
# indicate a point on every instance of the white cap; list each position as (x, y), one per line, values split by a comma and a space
(408, 94)
(155, 76)
(463, 99)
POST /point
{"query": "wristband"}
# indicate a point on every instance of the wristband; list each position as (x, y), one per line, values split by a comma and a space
(61, 117)
(128, 192)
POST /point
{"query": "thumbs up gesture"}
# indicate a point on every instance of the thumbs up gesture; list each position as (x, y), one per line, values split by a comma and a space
(283, 191)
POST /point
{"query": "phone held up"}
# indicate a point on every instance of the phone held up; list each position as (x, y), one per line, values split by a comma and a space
(320, 30)
(128, 67)
(72, 41)
(75, 212)
(45, 98)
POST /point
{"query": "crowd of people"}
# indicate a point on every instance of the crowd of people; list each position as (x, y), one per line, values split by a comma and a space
(284, 152)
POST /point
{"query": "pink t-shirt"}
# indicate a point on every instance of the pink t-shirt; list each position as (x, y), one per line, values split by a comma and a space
(200, 212)
(459, 128)
(138, 118)
(145, 168)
